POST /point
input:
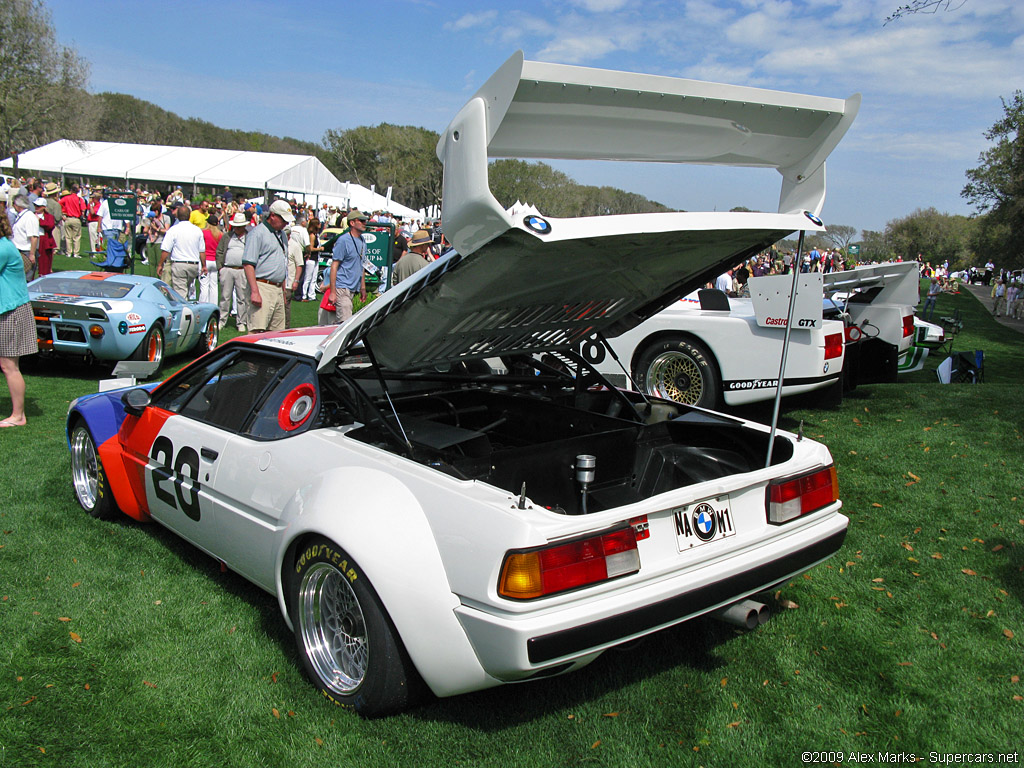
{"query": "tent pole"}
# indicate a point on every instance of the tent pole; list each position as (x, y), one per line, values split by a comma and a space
(785, 345)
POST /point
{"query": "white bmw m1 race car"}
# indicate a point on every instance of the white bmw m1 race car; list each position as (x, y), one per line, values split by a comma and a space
(427, 524)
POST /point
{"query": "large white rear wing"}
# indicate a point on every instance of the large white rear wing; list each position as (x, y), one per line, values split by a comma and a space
(530, 109)
(888, 283)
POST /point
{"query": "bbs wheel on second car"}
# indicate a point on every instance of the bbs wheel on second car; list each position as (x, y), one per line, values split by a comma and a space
(152, 347)
(88, 479)
(348, 645)
(680, 369)
(211, 335)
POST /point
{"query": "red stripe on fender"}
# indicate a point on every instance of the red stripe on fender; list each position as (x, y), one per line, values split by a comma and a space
(132, 444)
(120, 479)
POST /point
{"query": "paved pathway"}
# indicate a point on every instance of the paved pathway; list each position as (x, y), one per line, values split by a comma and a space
(984, 295)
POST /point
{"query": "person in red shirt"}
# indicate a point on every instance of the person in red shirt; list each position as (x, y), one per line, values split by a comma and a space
(47, 243)
(73, 207)
(94, 220)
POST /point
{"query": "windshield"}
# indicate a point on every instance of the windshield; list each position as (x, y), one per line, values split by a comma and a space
(71, 286)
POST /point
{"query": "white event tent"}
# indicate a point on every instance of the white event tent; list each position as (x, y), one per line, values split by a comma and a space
(303, 175)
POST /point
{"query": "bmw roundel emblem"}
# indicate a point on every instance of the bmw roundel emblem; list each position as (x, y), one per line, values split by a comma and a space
(704, 525)
(813, 218)
(538, 225)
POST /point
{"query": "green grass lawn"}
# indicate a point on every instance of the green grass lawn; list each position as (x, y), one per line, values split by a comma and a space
(121, 645)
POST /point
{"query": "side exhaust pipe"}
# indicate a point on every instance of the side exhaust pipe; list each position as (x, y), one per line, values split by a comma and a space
(746, 613)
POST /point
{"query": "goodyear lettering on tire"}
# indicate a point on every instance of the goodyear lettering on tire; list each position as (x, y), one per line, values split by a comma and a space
(323, 552)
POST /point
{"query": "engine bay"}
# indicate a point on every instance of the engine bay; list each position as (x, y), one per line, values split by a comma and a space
(530, 443)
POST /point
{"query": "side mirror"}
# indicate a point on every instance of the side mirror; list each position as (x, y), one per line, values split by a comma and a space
(135, 401)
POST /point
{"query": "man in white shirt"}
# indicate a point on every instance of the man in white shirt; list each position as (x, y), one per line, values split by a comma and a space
(184, 246)
(25, 235)
(298, 247)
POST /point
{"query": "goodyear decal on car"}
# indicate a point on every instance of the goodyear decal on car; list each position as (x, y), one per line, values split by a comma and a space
(752, 384)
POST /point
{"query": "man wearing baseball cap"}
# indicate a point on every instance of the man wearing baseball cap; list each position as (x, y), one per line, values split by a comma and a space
(415, 258)
(347, 267)
(266, 268)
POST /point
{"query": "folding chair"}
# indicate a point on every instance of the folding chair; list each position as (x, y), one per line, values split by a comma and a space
(953, 324)
(969, 367)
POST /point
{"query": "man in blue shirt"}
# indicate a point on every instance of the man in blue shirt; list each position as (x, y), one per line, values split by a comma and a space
(347, 267)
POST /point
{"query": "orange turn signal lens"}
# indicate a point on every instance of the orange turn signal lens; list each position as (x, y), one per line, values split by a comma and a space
(96, 331)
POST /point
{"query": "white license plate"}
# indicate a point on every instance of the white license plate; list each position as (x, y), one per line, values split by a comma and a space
(703, 522)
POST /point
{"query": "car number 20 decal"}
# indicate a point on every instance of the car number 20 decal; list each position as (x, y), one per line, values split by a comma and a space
(185, 499)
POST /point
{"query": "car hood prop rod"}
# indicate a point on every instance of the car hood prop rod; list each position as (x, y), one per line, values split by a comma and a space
(797, 261)
(387, 394)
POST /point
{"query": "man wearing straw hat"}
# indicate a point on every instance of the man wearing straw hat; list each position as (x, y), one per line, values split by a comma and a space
(415, 258)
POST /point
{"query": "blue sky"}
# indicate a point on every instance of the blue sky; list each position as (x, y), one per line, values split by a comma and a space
(931, 83)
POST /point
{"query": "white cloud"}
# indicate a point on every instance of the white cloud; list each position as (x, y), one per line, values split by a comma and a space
(471, 20)
(600, 6)
(576, 50)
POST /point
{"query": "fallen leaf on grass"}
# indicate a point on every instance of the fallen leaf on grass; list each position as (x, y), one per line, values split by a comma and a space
(28, 701)
(1015, 679)
(937, 556)
(76, 637)
(273, 678)
(63, 618)
(151, 685)
(725, 680)
(319, 741)
(87, 686)
(596, 744)
(610, 714)
(275, 713)
(877, 581)
(997, 547)
(1018, 697)
(876, 504)
(906, 664)
(1008, 633)
(291, 713)
(734, 724)
(75, 584)
(906, 546)
(915, 477)
(788, 604)
(968, 572)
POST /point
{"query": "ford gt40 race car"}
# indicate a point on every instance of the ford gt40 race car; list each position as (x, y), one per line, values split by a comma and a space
(110, 316)
(425, 522)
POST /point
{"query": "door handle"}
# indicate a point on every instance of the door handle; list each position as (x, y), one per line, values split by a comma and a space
(209, 454)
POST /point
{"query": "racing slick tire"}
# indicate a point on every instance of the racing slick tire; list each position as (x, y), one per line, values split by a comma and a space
(680, 369)
(348, 644)
(207, 342)
(152, 347)
(88, 480)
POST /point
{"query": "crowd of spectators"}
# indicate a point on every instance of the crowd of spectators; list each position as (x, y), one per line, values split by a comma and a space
(196, 245)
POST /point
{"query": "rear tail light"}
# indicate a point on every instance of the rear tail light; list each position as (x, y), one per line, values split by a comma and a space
(96, 331)
(908, 326)
(547, 571)
(853, 333)
(796, 496)
(833, 346)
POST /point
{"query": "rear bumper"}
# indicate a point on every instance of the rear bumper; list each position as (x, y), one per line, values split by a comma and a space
(517, 647)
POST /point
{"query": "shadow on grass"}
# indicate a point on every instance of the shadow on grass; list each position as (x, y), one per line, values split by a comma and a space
(690, 644)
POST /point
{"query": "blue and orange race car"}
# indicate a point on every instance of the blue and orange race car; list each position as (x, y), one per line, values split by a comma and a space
(110, 316)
